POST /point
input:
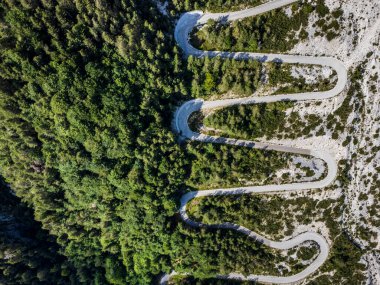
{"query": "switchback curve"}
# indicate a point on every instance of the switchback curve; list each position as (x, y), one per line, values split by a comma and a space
(184, 26)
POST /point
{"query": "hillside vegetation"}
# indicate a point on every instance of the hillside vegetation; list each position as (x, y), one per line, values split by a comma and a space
(91, 172)
(275, 31)
(87, 91)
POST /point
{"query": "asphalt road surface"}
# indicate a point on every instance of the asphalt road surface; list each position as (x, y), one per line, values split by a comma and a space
(185, 25)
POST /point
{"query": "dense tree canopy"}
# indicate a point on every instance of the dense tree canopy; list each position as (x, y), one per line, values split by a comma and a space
(87, 92)
(249, 121)
(277, 30)
(86, 96)
(85, 138)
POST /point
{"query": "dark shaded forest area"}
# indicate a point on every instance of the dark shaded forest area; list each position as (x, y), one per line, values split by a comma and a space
(28, 255)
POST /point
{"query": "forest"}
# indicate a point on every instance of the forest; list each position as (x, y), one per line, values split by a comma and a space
(91, 171)
(216, 76)
(276, 31)
(249, 121)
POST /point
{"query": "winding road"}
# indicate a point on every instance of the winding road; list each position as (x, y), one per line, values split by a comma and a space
(185, 25)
